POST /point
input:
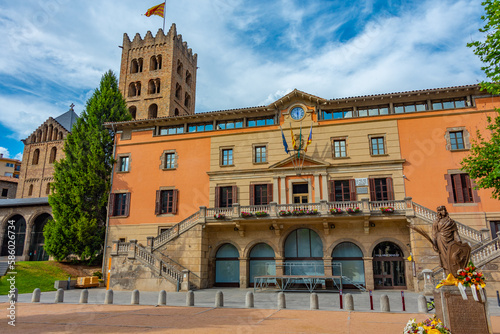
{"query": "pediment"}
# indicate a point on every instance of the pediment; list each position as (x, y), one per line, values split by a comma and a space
(307, 161)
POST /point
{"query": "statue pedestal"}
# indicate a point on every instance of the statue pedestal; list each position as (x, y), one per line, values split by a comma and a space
(459, 315)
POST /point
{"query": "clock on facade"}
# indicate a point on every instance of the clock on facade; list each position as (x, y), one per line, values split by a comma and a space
(297, 113)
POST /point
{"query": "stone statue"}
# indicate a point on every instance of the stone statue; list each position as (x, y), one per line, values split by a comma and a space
(453, 253)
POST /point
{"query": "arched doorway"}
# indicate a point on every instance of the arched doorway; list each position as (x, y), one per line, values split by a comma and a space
(227, 266)
(37, 252)
(261, 261)
(20, 235)
(350, 257)
(304, 253)
(388, 266)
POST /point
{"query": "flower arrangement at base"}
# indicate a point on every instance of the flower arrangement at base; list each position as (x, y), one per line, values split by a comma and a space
(285, 213)
(387, 209)
(244, 214)
(219, 216)
(298, 212)
(428, 326)
(261, 214)
(467, 277)
(336, 211)
(353, 210)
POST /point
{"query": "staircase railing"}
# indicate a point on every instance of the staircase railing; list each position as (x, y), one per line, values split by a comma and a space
(176, 230)
(159, 267)
(430, 216)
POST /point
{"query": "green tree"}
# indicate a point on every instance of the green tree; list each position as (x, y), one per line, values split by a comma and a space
(82, 178)
(483, 162)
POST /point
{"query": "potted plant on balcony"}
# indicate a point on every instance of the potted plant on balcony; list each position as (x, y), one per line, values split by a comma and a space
(298, 212)
(285, 213)
(387, 209)
(353, 210)
(336, 211)
(311, 212)
(261, 214)
(245, 214)
(219, 216)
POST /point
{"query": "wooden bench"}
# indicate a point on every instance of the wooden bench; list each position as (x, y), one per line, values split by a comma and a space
(87, 282)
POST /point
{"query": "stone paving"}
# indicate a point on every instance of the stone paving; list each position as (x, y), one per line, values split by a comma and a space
(121, 317)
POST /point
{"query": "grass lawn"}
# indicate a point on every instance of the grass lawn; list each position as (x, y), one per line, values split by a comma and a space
(34, 274)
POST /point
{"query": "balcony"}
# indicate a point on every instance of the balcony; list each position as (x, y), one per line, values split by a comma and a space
(322, 209)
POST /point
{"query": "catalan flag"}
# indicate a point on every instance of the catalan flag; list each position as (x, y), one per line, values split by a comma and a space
(294, 144)
(309, 139)
(156, 10)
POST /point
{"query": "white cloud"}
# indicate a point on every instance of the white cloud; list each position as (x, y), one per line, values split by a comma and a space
(4, 152)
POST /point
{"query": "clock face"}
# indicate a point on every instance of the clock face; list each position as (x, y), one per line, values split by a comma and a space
(297, 113)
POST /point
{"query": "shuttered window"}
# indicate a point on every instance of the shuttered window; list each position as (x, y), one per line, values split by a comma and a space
(261, 194)
(342, 190)
(381, 189)
(166, 201)
(462, 188)
(119, 204)
(226, 196)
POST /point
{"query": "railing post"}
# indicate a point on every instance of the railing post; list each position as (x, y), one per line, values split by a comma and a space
(236, 210)
(365, 206)
(323, 207)
(150, 241)
(410, 211)
(114, 248)
(485, 234)
(273, 209)
(132, 249)
(203, 214)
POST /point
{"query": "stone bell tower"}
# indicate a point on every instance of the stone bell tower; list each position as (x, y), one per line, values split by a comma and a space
(158, 75)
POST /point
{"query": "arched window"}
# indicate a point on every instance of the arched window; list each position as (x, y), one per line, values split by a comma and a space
(53, 154)
(388, 266)
(138, 85)
(151, 87)
(178, 91)
(179, 67)
(261, 261)
(136, 66)
(36, 156)
(133, 111)
(187, 100)
(55, 135)
(158, 60)
(157, 85)
(47, 189)
(227, 266)
(176, 112)
(139, 63)
(33, 139)
(45, 129)
(49, 136)
(20, 234)
(132, 91)
(189, 79)
(37, 252)
(304, 253)
(60, 135)
(39, 136)
(350, 257)
(153, 111)
(30, 190)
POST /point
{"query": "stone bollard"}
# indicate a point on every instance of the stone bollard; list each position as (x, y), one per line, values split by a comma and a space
(349, 302)
(59, 296)
(314, 301)
(422, 304)
(190, 298)
(249, 300)
(35, 298)
(13, 296)
(135, 297)
(108, 298)
(384, 304)
(84, 296)
(219, 299)
(162, 298)
(281, 300)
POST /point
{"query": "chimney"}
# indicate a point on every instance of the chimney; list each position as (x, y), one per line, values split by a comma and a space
(1, 155)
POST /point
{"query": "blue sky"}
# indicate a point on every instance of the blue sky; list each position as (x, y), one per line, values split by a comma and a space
(249, 52)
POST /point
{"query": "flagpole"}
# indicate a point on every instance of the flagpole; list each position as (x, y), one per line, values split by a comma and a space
(164, 7)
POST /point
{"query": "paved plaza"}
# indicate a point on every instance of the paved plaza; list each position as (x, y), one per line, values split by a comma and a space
(121, 317)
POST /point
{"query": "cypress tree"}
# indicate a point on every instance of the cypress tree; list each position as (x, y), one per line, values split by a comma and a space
(82, 178)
